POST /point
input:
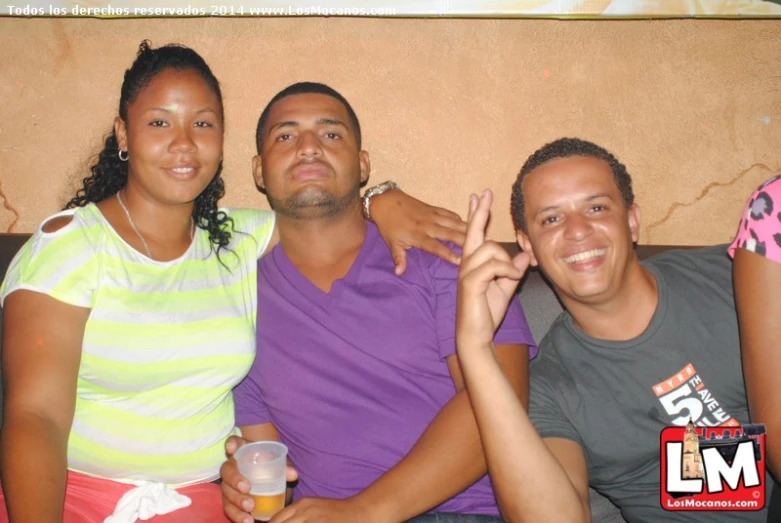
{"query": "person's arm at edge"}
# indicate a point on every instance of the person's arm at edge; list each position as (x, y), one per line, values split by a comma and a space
(448, 457)
(42, 339)
(534, 479)
(757, 280)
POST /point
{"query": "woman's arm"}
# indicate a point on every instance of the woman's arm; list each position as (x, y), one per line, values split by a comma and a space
(406, 222)
(757, 281)
(42, 339)
(534, 479)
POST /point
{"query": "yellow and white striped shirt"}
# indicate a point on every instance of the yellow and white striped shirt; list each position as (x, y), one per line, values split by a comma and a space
(164, 344)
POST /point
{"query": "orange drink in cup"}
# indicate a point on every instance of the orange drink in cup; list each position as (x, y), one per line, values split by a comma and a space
(266, 505)
(263, 463)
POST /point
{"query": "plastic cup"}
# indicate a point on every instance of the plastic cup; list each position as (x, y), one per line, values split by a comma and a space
(263, 464)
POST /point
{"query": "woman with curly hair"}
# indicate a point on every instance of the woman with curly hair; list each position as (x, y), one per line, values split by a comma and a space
(130, 316)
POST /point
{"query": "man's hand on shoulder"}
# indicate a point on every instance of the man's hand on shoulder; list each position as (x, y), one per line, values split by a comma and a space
(405, 222)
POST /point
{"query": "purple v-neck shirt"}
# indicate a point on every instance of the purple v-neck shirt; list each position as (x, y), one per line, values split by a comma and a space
(351, 378)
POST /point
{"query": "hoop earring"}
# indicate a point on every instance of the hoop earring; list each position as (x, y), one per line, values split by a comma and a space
(121, 159)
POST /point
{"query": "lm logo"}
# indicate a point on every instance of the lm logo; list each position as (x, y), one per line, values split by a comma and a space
(713, 468)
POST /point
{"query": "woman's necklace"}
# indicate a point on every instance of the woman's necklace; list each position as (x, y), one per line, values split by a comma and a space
(138, 233)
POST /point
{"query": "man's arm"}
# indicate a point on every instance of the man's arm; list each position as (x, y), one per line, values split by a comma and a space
(757, 280)
(446, 459)
(535, 479)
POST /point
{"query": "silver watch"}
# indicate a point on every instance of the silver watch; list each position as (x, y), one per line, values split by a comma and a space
(371, 192)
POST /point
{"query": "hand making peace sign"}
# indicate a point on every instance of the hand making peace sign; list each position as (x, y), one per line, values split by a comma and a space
(487, 280)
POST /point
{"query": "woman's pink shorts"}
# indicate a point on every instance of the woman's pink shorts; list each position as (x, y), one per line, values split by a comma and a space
(91, 500)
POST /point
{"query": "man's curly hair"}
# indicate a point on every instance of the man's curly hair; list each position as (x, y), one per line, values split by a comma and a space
(566, 148)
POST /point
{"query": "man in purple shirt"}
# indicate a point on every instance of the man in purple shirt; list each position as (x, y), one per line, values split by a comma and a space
(356, 369)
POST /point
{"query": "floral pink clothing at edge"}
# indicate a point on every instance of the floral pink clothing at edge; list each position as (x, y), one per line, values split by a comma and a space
(760, 226)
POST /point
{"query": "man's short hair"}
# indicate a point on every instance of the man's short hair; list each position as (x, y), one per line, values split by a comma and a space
(306, 88)
(565, 148)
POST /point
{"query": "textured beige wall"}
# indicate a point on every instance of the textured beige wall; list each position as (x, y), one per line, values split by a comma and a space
(692, 107)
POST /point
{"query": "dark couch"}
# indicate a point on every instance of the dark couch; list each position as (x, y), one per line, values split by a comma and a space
(9, 245)
(539, 303)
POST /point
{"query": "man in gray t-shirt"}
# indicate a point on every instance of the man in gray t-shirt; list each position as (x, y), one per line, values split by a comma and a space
(640, 346)
(614, 397)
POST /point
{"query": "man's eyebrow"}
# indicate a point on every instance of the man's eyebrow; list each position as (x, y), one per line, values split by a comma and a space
(330, 121)
(598, 196)
(589, 199)
(286, 123)
(546, 209)
(319, 121)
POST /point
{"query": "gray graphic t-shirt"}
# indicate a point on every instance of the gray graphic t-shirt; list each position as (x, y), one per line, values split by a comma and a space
(614, 398)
